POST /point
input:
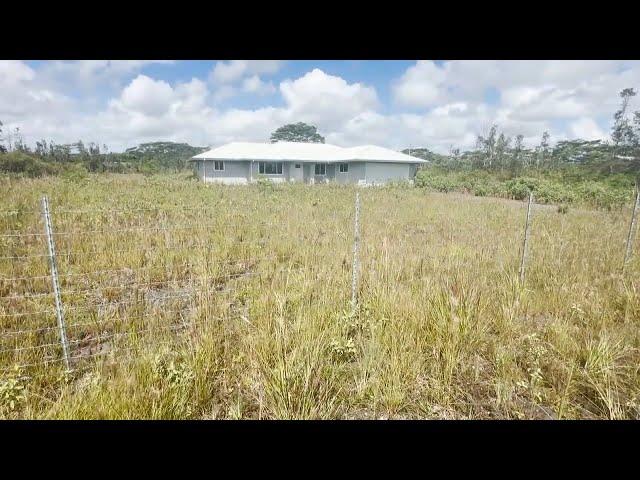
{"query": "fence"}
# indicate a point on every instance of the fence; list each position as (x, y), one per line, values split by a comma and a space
(93, 284)
(76, 294)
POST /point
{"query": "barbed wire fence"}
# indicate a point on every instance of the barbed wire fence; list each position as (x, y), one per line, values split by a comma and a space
(81, 293)
(68, 298)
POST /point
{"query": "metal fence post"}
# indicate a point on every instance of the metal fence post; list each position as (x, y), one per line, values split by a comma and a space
(54, 280)
(632, 230)
(523, 261)
(355, 266)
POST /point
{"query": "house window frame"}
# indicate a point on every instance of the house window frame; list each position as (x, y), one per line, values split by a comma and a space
(215, 165)
(315, 170)
(345, 165)
(262, 168)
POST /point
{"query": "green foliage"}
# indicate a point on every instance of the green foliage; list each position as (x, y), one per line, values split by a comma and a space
(425, 154)
(265, 184)
(437, 183)
(24, 164)
(12, 391)
(297, 132)
(51, 159)
(519, 188)
(148, 168)
(565, 187)
(75, 173)
(162, 155)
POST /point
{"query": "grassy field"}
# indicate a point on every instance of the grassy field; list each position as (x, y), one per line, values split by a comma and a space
(191, 301)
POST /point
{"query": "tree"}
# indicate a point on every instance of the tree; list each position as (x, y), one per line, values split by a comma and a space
(517, 157)
(626, 136)
(623, 134)
(297, 132)
(543, 149)
(487, 146)
(502, 146)
(19, 144)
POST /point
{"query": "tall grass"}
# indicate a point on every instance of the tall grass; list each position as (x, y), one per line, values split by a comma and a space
(234, 302)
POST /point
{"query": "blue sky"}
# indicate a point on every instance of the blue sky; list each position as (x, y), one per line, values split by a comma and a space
(395, 103)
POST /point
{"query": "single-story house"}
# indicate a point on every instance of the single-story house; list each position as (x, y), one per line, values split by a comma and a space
(244, 162)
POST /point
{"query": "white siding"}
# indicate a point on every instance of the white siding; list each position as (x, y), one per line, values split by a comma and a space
(378, 173)
(234, 173)
(356, 173)
(369, 173)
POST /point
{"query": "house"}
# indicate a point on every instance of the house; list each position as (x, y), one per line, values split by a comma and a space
(244, 162)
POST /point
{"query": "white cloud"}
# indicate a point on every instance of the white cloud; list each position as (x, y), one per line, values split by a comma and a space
(559, 96)
(435, 106)
(326, 100)
(586, 129)
(22, 96)
(90, 74)
(146, 96)
(422, 85)
(14, 72)
(253, 84)
(228, 72)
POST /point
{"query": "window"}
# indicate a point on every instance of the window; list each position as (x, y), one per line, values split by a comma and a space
(297, 165)
(270, 168)
(218, 165)
(344, 168)
(321, 168)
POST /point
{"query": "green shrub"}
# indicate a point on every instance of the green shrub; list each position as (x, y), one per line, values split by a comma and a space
(148, 168)
(24, 164)
(603, 196)
(481, 191)
(75, 173)
(437, 183)
(549, 187)
(519, 188)
(265, 184)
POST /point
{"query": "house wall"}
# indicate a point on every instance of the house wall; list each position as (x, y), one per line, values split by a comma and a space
(234, 173)
(371, 173)
(379, 173)
(357, 173)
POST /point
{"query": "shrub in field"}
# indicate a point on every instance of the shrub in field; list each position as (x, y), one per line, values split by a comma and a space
(481, 191)
(21, 163)
(565, 187)
(265, 184)
(75, 173)
(148, 168)
(551, 192)
(602, 196)
(11, 392)
(439, 184)
(519, 188)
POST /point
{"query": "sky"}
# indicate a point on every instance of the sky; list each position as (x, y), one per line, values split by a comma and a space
(396, 104)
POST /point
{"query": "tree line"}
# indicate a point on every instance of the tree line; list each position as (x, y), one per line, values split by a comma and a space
(494, 151)
(497, 152)
(48, 157)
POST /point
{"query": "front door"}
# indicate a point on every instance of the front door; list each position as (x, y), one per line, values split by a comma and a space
(307, 172)
(295, 172)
